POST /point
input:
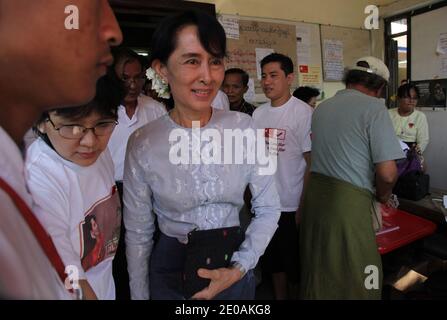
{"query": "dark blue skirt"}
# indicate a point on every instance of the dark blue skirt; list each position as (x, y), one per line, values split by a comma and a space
(166, 271)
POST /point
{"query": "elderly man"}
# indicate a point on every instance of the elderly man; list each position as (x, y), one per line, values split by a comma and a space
(353, 153)
(235, 85)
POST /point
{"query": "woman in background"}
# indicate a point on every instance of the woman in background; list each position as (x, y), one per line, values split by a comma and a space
(307, 94)
(410, 124)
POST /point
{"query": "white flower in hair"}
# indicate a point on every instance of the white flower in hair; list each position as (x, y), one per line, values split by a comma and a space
(158, 84)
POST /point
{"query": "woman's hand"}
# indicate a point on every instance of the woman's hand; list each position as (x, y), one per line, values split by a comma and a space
(417, 148)
(221, 279)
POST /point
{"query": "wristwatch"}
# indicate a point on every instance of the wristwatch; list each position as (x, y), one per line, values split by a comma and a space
(237, 265)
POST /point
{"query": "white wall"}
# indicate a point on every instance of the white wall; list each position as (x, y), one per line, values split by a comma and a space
(436, 152)
(330, 12)
(345, 13)
(425, 65)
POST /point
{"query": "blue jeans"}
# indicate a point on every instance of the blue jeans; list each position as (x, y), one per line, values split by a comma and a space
(166, 271)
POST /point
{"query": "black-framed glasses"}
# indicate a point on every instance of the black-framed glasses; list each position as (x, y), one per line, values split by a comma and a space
(76, 131)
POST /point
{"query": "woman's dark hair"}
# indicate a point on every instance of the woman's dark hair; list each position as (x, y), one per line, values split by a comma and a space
(306, 93)
(370, 81)
(109, 94)
(284, 61)
(89, 219)
(87, 229)
(210, 33)
(404, 90)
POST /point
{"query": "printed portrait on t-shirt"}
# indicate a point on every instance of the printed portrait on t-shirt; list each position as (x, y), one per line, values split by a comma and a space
(100, 231)
(280, 135)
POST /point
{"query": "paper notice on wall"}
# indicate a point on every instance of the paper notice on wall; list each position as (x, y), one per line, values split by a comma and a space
(443, 69)
(303, 44)
(442, 44)
(231, 27)
(250, 94)
(310, 76)
(333, 60)
(260, 54)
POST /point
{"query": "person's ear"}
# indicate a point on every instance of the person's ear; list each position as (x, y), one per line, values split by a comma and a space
(381, 92)
(290, 78)
(246, 89)
(41, 127)
(161, 69)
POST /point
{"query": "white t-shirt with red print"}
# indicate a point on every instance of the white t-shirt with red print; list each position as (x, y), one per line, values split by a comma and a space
(79, 207)
(291, 123)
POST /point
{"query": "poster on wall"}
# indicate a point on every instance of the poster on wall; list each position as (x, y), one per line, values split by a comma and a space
(442, 44)
(256, 39)
(432, 93)
(443, 66)
(310, 76)
(333, 60)
(231, 27)
(261, 53)
(303, 46)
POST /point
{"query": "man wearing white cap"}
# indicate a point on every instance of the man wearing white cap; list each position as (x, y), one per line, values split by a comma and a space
(353, 153)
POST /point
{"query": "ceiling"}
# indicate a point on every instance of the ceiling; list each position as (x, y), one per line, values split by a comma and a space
(138, 19)
(382, 2)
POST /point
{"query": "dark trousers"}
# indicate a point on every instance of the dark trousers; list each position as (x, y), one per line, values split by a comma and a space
(281, 254)
(120, 274)
(166, 270)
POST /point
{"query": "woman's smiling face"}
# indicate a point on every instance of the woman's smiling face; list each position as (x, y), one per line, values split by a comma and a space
(194, 75)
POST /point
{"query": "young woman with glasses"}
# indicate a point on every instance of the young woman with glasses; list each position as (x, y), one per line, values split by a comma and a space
(69, 173)
(410, 124)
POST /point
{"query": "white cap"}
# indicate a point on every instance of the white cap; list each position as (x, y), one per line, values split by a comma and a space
(376, 66)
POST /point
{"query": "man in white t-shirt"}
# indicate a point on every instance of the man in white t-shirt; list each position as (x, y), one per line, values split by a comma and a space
(289, 120)
(50, 67)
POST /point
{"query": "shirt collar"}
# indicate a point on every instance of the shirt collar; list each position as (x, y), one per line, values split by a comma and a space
(12, 166)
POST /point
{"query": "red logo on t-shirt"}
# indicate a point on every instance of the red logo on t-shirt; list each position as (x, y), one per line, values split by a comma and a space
(275, 139)
(411, 125)
(280, 134)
